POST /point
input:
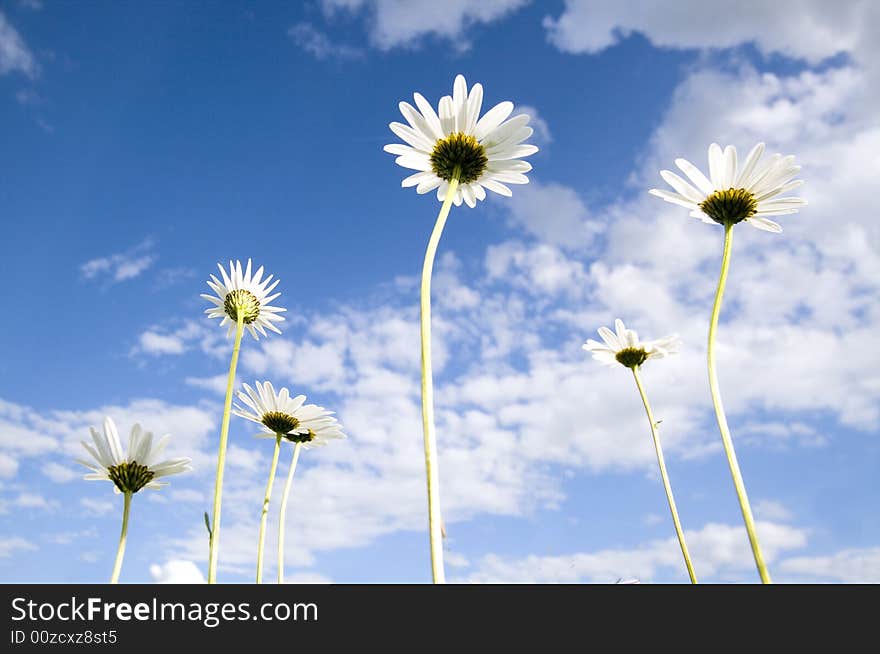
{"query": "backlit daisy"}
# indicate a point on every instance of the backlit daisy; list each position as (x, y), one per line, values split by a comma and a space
(242, 300)
(245, 294)
(456, 143)
(283, 418)
(624, 347)
(139, 468)
(131, 472)
(732, 194)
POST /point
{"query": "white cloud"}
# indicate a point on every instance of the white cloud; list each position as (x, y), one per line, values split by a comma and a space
(215, 384)
(9, 546)
(320, 45)
(568, 224)
(395, 24)
(850, 566)
(812, 30)
(772, 510)
(122, 266)
(542, 135)
(176, 572)
(191, 334)
(98, 507)
(307, 578)
(719, 552)
(60, 474)
(542, 267)
(29, 501)
(8, 465)
(153, 343)
(15, 56)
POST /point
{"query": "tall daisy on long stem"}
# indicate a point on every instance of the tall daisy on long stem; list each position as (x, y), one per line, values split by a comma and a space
(729, 196)
(129, 474)
(242, 300)
(282, 417)
(459, 154)
(623, 347)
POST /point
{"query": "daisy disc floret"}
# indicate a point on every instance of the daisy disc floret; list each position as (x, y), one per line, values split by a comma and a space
(623, 347)
(732, 194)
(280, 414)
(454, 142)
(140, 468)
(246, 294)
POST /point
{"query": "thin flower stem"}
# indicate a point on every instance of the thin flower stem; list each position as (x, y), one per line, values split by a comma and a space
(655, 433)
(265, 514)
(221, 453)
(722, 418)
(283, 511)
(431, 463)
(120, 551)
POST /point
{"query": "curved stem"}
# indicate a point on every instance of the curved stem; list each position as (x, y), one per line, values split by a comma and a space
(655, 433)
(434, 520)
(265, 514)
(221, 453)
(283, 512)
(722, 418)
(120, 551)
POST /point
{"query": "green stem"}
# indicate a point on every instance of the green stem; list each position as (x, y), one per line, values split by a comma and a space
(283, 511)
(265, 514)
(722, 418)
(655, 433)
(120, 551)
(434, 520)
(221, 453)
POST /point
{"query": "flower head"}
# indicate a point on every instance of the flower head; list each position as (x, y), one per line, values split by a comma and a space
(731, 194)
(483, 153)
(279, 413)
(625, 348)
(140, 469)
(244, 294)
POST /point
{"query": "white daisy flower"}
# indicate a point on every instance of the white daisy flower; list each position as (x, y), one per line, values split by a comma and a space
(279, 413)
(732, 194)
(483, 152)
(140, 468)
(243, 292)
(625, 348)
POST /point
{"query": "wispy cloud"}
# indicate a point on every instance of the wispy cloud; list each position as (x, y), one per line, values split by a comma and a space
(319, 44)
(394, 24)
(15, 56)
(122, 266)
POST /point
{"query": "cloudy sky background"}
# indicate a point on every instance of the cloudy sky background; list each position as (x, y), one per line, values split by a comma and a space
(142, 144)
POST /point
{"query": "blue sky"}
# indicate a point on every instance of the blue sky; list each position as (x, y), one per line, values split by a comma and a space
(142, 144)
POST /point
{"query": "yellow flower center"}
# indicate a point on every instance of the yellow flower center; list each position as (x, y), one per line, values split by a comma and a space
(730, 206)
(130, 477)
(459, 155)
(280, 423)
(308, 437)
(631, 357)
(244, 302)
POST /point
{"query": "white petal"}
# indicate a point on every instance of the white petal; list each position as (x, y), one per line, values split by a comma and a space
(764, 224)
(675, 198)
(742, 179)
(716, 165)
(695, 175)
(492, 119)
(682, 186)
(431, 117)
